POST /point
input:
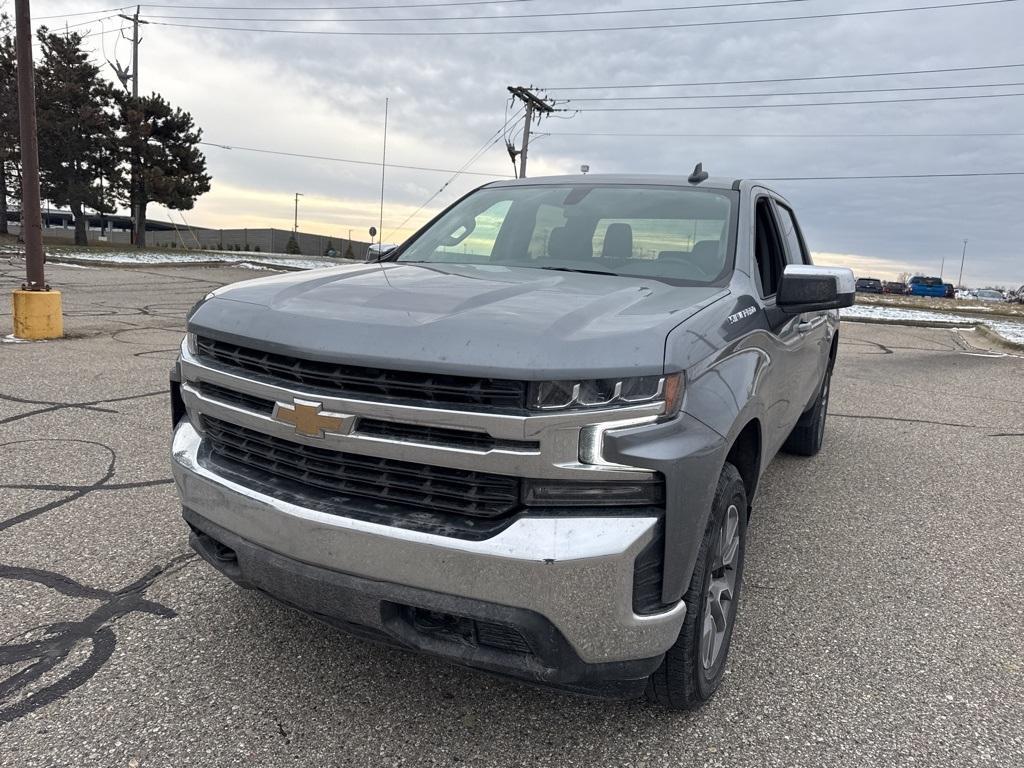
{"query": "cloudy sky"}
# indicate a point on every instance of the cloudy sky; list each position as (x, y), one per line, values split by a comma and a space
(323, 94)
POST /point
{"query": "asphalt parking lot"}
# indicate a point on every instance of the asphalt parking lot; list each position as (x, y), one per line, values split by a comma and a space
(882, 622)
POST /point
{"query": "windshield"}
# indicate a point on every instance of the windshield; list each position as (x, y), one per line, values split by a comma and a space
(671, 233)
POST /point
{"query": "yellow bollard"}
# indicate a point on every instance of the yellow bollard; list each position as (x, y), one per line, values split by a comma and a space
(37, 315)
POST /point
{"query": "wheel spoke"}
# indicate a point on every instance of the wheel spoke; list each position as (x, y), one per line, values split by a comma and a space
(707, 641)
(729, 540)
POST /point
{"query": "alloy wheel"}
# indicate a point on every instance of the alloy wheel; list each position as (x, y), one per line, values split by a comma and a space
(721, 588)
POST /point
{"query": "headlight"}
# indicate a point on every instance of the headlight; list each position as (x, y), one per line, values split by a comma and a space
(604, 393)
(191, 344)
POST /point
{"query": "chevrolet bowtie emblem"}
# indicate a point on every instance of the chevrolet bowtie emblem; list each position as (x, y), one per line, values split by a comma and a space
(309, 418)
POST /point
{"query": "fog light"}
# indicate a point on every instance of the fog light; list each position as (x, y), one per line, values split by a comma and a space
(582, 493)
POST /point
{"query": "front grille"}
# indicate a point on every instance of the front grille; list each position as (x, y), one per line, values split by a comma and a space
(441, 436)
(234, 397)
(342, 380)
(436, 489)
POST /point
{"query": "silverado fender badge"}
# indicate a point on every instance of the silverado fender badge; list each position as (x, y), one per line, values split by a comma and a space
(742, 314)
(309, 419)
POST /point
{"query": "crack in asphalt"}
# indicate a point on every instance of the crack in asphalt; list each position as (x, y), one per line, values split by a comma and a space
(901, 419)
(53, 405)
(61, 638)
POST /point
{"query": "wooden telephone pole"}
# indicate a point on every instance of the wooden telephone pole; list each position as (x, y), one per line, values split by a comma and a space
(37, 309)
(534, 103)
(139, 225)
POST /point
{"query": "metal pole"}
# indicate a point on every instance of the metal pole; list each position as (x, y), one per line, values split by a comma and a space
(31, 217)
(383, 160)
(295, 228)
(960, 282)
(942, 266)
(526, 140)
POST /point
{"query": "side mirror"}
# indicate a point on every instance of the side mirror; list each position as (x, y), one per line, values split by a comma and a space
(808, 288)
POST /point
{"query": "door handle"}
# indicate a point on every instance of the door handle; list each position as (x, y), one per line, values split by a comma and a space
(805, 326)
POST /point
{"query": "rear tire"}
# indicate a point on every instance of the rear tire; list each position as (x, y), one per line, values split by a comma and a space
(809, 433)
(693, 668)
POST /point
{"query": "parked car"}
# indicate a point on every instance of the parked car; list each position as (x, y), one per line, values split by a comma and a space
(920, 285)
(950, 290)
(869, 285)
(1017, 297)
(986, 294)
(521, 442)
(377, 251)
(894, 287)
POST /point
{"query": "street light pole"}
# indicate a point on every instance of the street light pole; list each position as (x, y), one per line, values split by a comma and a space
(295, 229)
(37, 310)
(960, 282)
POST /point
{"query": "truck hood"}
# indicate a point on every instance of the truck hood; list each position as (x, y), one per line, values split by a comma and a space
(480, 320)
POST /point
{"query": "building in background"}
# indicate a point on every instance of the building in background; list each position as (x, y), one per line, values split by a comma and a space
(117, 230)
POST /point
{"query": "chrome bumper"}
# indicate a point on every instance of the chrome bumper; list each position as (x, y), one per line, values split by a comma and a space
(576, 572)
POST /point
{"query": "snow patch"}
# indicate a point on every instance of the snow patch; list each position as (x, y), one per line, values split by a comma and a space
(1008, 329)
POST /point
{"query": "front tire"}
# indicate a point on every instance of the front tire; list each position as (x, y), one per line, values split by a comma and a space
(809, 433)
(693, 668)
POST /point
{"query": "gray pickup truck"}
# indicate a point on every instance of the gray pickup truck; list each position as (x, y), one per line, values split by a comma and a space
(526, 441)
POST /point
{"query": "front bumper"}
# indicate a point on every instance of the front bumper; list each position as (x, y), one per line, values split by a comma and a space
(573, 573)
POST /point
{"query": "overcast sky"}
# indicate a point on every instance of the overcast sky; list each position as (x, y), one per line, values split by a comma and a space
(324, 95)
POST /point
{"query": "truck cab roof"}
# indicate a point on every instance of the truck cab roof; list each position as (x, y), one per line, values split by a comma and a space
(719, 183)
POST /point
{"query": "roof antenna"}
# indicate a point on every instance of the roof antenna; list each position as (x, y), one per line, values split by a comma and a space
(698, 175)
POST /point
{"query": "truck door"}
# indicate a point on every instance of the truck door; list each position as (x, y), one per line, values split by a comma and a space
(812, 325)
(783, 387)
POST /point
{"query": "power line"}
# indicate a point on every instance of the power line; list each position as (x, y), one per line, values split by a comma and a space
(577, 30)
(552, 14)
(491, 140)
(892, 176)
(787, 135)
(79, 13)
(294, 7)
(574, 100)
(784, 79)
(347, 160)
(797, 104)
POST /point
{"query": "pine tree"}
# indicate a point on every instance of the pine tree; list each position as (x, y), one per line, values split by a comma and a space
(292, 246)
(162, 143)
(9, 148)
(79, 156)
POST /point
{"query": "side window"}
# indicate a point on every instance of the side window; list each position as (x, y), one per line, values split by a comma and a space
(795, 249)
(768, 250)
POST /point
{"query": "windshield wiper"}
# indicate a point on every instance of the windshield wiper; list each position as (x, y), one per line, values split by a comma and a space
(580, 269)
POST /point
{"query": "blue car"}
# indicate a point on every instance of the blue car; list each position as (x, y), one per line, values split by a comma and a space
(926, 286)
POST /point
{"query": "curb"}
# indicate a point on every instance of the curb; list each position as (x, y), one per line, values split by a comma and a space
(980, 327)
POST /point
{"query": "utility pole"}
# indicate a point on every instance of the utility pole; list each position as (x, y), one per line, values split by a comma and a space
(37, 309)
(295, 229)
(383, 165)
(534, 103)
(139, 234)
(960, 282)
